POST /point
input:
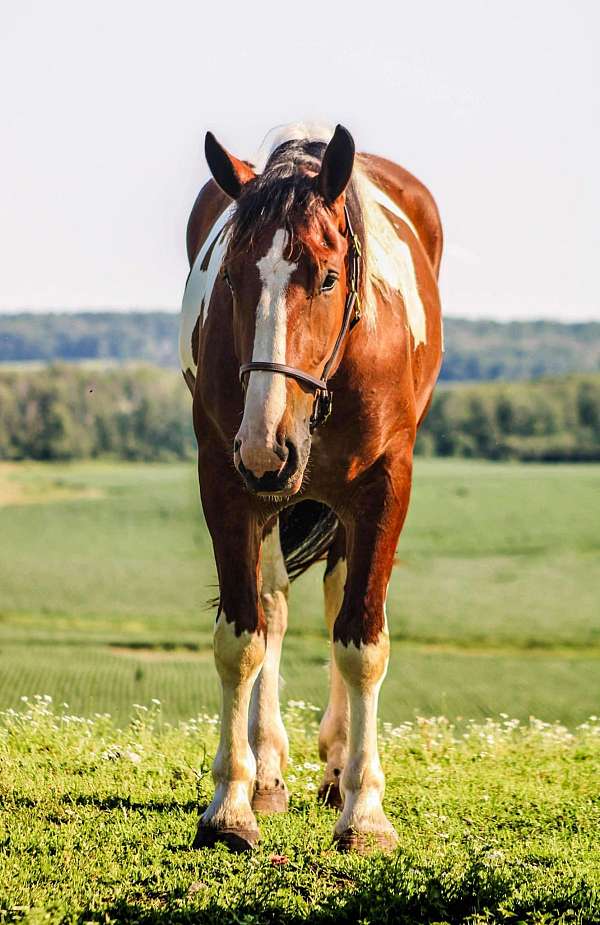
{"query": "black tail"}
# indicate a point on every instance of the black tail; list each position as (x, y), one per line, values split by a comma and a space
(306, 530)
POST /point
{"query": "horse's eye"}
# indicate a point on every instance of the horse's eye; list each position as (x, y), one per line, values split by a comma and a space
(329, 281)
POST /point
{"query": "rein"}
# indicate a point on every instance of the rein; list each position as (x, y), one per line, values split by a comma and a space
(323, 398)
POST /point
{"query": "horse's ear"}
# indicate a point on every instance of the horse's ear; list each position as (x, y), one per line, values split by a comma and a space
(229, 172)
(336, 168)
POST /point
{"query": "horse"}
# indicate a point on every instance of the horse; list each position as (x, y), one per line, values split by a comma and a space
(311, 341)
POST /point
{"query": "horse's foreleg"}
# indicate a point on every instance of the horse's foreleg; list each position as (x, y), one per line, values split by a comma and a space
(267, 733)
(333, 731)
(239, 648)
(361, 648)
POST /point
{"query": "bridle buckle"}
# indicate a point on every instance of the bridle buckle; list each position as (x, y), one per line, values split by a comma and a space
(321, 409)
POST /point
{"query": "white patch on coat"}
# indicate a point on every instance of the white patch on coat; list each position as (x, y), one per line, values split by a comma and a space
(389, 261)
(266, 391)
(199, 286)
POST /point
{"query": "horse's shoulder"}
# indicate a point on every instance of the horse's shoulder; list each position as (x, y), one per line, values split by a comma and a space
(210, 203)
(205, 246)
(413, 197)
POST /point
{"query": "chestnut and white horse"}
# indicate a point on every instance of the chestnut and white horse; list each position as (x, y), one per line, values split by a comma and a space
(313, 277)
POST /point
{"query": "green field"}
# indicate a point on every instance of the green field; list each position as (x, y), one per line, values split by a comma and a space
(493, 607)
(105, 570)
(497, 823)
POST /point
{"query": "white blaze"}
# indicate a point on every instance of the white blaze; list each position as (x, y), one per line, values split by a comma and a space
(266, 392)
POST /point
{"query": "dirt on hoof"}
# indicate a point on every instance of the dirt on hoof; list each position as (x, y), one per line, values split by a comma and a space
(237, 840)
(329, 795)
(366, 842)
(273, 800)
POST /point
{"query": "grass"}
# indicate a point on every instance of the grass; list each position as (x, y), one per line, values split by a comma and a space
(498, 822)
(493, 605)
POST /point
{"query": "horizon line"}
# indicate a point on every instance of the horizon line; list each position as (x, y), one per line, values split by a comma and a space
(156, 310)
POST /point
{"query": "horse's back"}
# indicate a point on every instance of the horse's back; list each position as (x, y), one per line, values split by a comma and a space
(413, 198)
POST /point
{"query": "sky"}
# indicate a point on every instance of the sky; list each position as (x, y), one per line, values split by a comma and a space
(104, 106)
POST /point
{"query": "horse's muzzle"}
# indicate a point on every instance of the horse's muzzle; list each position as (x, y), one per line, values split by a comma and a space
(283, 482)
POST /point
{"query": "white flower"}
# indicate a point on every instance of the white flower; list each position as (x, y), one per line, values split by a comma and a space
(311, 766)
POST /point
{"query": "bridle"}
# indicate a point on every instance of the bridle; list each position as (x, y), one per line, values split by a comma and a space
(323, 398)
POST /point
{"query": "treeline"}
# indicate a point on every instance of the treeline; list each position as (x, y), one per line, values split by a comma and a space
(475, 350)
(66, 412)
(548, 420)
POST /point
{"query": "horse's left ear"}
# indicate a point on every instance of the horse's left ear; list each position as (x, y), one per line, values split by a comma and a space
(228, 171)
(336, 168)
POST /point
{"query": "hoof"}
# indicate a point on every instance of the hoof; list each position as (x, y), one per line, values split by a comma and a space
(366, 842)
(329, 795)
(272, 800)
(236, 840)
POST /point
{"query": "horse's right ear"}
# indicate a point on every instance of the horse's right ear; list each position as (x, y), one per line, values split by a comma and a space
(229, 172)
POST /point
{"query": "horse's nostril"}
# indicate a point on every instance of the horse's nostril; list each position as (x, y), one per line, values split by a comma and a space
(236, 444)
(281, 450)
(291, 454)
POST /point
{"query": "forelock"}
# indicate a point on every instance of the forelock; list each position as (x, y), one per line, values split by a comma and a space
(282, 196)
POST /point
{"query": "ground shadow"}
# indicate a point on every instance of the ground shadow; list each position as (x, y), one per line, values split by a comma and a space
(394, 891)
(125, 802)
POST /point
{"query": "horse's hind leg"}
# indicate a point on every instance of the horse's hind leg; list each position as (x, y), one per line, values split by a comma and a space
(333, 732)
(268, 737)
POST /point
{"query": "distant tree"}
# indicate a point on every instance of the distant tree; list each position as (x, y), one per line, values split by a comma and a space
(588, 405)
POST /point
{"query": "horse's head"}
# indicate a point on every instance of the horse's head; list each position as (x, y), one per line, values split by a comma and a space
(286, 268)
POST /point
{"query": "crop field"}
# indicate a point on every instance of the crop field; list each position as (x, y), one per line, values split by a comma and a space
(105, 571)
